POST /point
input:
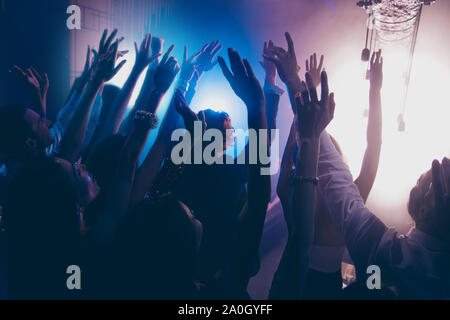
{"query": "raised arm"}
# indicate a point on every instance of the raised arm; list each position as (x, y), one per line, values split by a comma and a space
(118, 196)
(147, 86)
(284, 187)
(114, 116)
(371, 160)
(203, 63)
(104, 70)
(167, 69)
(240, 268)
(313, 116)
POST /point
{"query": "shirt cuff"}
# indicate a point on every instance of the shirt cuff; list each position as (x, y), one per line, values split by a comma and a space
(271, 88)
(326, 259)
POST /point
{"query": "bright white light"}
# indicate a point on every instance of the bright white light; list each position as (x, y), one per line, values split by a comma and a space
(405, 155)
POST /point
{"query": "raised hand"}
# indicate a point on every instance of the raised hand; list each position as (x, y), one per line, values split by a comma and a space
(104, 63)
(313, 69)
(314, 115)
(285, 61)
(441, 189)
(143, 58)
(37, 83)
(376, 71)
(189, 116)
(166, 71)
(204, 61)
(188, 68)
(243, 81)
(268, 66)
(39, 86)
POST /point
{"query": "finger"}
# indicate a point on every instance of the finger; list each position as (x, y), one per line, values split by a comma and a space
(110, 39)
(265, 47)
(88, 54)
(277, 51)
(271, 58)
(311, 87)
(372, 60)
(438, 182)
(298, 103)
(185, 53)
(216, 51)
(270, 44)
(311, 64)
(324, 86)
(226, 72)
(153, 59)
(320, 63)
(249, 70)
(195, 56)
(445, 163)
(305, 94)
(331, 105)
(136, 48)
(378, 56)
(315, 61)
(290, 43)
(116, 69)
(18, 69)
(166, 55)
(102, 40)
(236, 64)
(307, 66)
(36, 74)
(46, 79)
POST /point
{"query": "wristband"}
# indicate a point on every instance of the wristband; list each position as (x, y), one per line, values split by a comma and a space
(147, 119)
(313, 180)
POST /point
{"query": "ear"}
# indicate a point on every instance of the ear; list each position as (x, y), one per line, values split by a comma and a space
(31, 145)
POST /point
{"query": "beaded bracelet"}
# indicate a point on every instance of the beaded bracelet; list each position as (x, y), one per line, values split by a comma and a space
(148, 119)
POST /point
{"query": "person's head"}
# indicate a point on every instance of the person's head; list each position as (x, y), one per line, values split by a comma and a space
(165, 237)
(221, 121)
(23, 131)
(43, 201)
(423, 208)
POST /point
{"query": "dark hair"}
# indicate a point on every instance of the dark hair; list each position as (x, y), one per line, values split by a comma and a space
(162, 263)
(42, 225)
(13, 129)
(215, 119)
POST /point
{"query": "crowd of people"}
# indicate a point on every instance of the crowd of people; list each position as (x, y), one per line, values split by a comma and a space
(74, 193)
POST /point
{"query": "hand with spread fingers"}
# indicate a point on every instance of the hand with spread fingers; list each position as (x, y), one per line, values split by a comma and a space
(188, 68)
(313, 69)
(243, 81)
(204, 61)
(314, 115)
(104, 64)
(166, 71)
(268, 66)
(38, 84)
(285, 61)
(143, 58)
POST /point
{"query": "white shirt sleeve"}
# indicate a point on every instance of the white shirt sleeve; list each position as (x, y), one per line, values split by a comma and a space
(361, 229)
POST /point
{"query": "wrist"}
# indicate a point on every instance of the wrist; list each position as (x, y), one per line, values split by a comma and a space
(269, 80)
